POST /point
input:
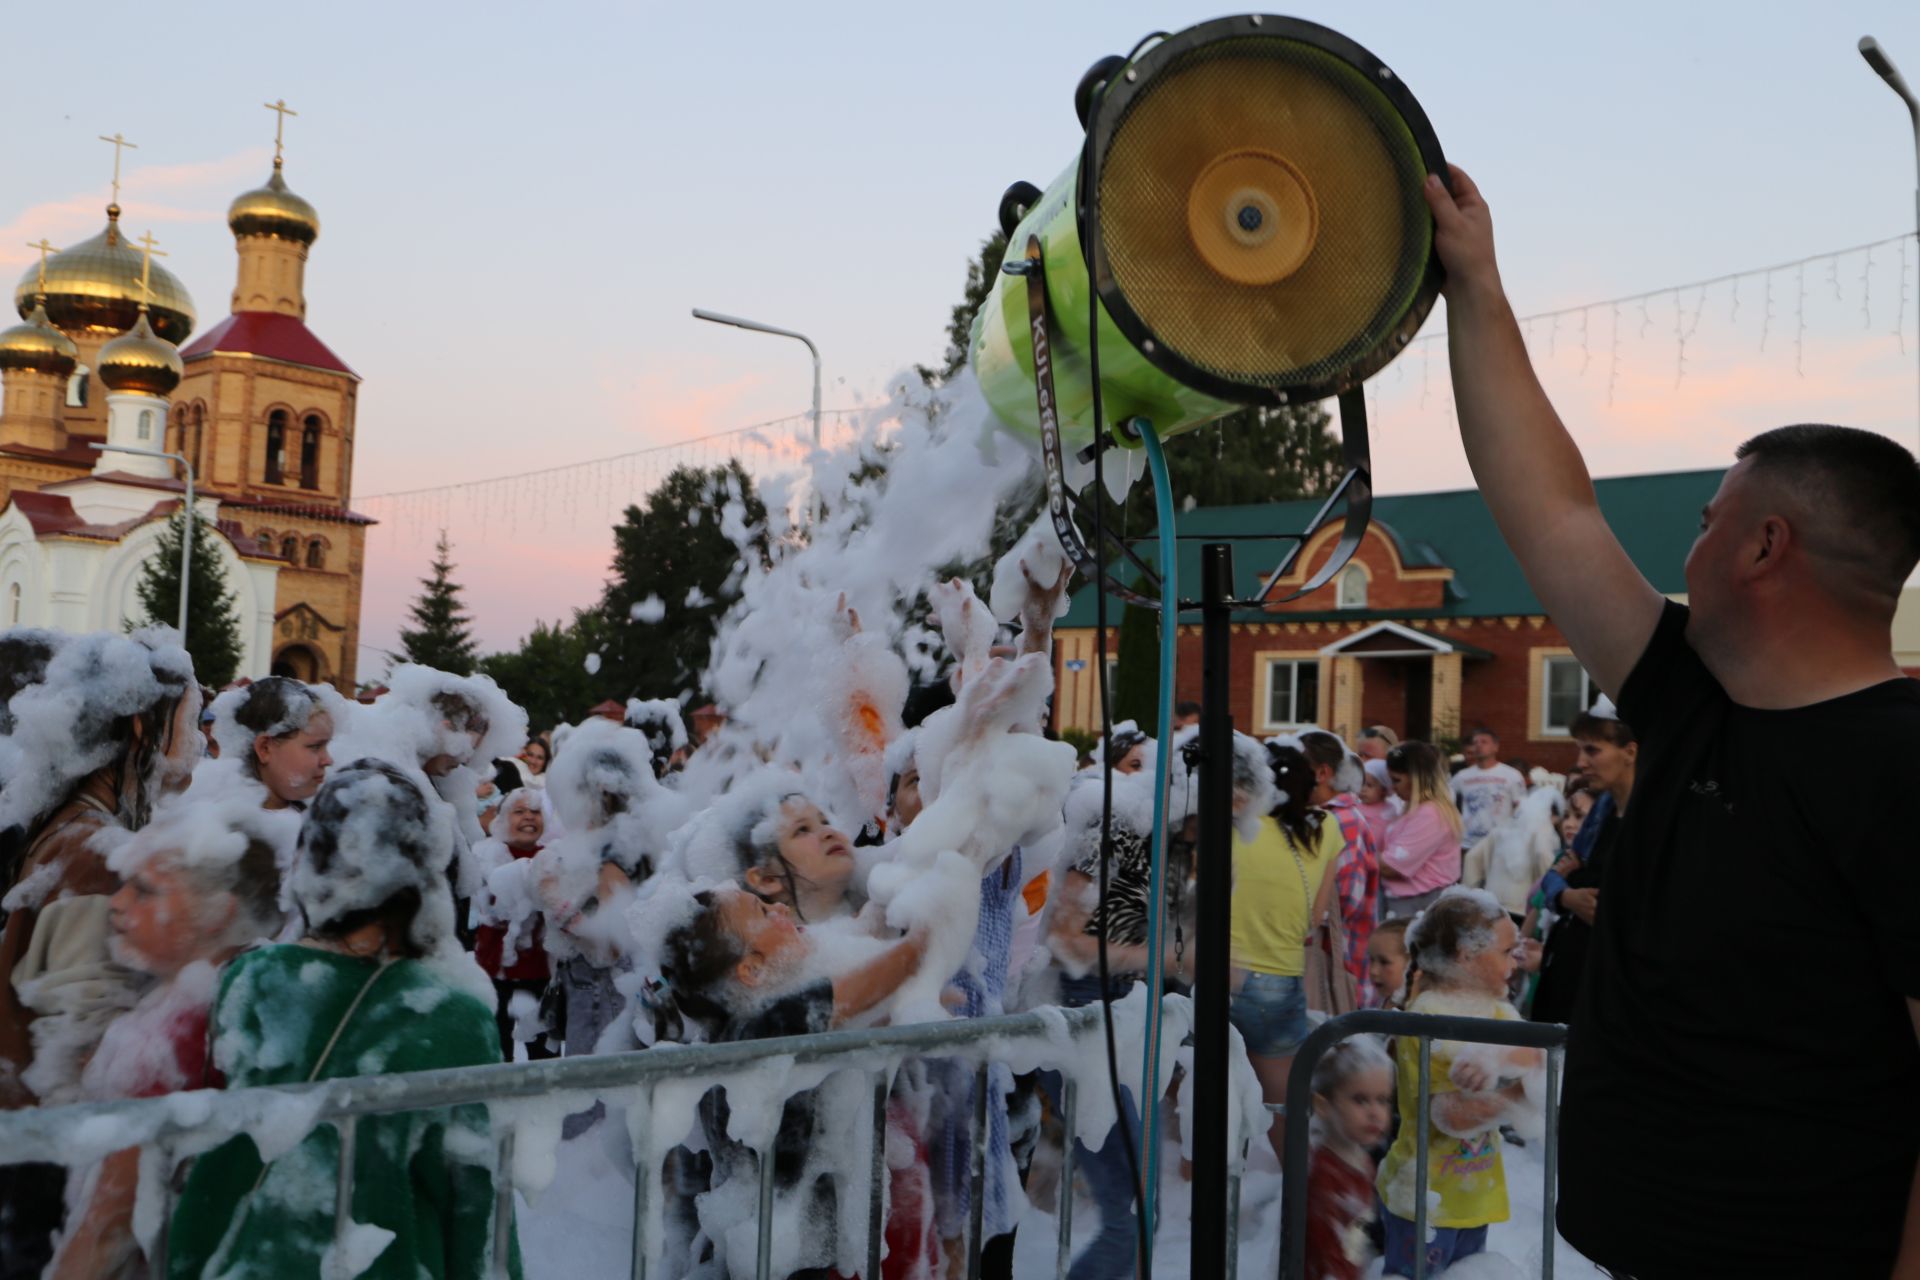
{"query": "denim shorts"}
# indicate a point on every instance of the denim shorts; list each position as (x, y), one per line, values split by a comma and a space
(1271, 1012)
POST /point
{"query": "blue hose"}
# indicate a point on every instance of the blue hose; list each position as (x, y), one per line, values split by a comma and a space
(1156, 893)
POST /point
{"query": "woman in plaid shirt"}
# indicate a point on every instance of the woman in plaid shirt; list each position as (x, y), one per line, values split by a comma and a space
(1336, 779)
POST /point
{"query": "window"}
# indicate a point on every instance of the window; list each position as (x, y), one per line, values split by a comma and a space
(77, 388)
(1293, 691)
(146, 424)
(199, 452)
(290, 549)
(1113, 671)
(1566, 691)
(1353, 588)
(13, 604)
(276, 447)
(310, 453)
(316, 555)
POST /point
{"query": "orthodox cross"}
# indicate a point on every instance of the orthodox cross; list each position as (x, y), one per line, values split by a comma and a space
(45, 247)
(147, 254)
(118, 144)
(279, 124)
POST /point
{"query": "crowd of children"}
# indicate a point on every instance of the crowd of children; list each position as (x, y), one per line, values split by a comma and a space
(333, 877)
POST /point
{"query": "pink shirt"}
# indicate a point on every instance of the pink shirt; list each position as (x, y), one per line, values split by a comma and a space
(1422, 853)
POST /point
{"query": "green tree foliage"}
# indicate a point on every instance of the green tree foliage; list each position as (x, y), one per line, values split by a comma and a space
(548, 674)
(673, 549)
(980, 276)
(442, 633)
(1136, 676)
(213, 622)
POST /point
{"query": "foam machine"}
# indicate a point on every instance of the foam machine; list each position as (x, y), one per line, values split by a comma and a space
(1244, 225)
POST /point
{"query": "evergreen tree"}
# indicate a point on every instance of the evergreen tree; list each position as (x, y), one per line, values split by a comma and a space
(213, 622)
(1136, 675)
(981, 273)
(673, 551)
(442, 634)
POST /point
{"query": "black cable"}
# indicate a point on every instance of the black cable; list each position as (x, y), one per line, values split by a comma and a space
(1143, 1264)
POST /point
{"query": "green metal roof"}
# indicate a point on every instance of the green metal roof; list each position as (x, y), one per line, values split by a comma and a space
(1654, 516)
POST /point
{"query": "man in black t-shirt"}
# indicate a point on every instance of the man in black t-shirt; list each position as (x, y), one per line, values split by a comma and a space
(1743, 1079)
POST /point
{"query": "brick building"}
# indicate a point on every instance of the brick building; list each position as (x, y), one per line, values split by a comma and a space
(1431, 629)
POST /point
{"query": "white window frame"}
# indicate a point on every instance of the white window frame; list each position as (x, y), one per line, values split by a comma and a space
(1352, 573)
(1548, 662)
(1293, 661)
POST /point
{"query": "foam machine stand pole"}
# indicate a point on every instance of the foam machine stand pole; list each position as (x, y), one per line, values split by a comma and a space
(1214, 917)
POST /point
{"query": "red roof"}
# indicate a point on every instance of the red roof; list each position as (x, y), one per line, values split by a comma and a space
(268, 334)
(48, 512)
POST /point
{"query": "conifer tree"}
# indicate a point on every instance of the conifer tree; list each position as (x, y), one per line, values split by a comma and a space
(213, 623)
(442, 634)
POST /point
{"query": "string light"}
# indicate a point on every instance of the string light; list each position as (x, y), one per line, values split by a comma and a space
(1800, 323)
(1900, 312)
(1866, 290)
(1766, 317)
(1613, 359)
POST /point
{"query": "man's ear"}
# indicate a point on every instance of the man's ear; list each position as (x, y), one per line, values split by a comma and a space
(1775, 536)
(751, 969)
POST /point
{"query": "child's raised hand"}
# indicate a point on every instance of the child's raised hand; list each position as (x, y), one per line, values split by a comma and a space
(1471, 1076)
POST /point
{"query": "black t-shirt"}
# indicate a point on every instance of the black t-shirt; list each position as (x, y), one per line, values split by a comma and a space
(1743, 1082)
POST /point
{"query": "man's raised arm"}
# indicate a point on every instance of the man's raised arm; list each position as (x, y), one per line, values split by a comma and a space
(1530, 472)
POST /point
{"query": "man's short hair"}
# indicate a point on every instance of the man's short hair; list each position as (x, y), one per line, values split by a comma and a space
(1483, 731)
(1859, 494)
(1186, 708)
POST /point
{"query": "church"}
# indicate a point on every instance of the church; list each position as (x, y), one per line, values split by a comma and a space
(104, 373)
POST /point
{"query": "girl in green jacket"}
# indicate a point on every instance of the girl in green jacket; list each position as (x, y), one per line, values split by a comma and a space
(377, 985)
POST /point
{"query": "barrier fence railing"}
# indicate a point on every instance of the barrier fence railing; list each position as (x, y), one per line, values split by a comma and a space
(1425, 1028)
(179, 1123)
(82, 1133)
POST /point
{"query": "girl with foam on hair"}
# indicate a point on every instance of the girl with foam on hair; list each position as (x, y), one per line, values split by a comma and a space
(202, 882)
(279, 732)
(376, 986)
(1352, 1110)
(1464, 947)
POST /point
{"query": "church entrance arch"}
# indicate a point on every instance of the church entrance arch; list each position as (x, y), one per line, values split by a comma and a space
(299, 662)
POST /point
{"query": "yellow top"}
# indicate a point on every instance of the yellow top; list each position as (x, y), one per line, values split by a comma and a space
(94, 287)
(1466, 1174)
(1274, 883)
(38, 346)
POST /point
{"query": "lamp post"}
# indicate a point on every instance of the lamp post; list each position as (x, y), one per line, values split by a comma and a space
(1883, 67)
(757, 327)
(186, 536)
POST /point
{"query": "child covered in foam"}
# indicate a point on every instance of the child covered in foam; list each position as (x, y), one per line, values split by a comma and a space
(1464, 946)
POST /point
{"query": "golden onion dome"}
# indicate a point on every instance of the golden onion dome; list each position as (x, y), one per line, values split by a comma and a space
(38, 346)
(273, 210)
(94, 287)
(140, 361)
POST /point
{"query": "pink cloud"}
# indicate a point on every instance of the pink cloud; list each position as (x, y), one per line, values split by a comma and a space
(207, 186)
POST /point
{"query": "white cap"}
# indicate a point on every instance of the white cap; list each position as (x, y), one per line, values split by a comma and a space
(1603, 709)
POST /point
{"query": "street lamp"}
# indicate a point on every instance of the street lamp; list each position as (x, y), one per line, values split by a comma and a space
(186, 537)
(1883, 67)
(756, 326)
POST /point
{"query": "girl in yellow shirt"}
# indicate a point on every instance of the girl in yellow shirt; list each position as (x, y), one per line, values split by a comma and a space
(1282, 883)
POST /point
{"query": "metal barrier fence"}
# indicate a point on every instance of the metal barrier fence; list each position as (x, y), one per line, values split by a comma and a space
(1426, 1028)
(85, 1132)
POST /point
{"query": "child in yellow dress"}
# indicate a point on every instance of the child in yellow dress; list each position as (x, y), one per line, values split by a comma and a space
(1464, 945)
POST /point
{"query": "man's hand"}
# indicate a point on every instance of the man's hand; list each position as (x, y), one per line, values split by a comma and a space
(1463, 237)
(1581, 902)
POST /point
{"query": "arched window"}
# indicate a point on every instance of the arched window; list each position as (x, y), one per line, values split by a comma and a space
(77, 388)
(276, 447)
(146, 424)
(198, 419)
(13, 604)
(290, 549)
(265, 539)
(310, 453)
(1353, 588)
(316, 555)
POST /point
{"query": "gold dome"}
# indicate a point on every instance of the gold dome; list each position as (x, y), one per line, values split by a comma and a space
(95, 287)
(141, 362)
(273, 210)
(37, 345)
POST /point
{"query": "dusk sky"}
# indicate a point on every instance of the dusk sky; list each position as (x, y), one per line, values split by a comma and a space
(519, 204)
